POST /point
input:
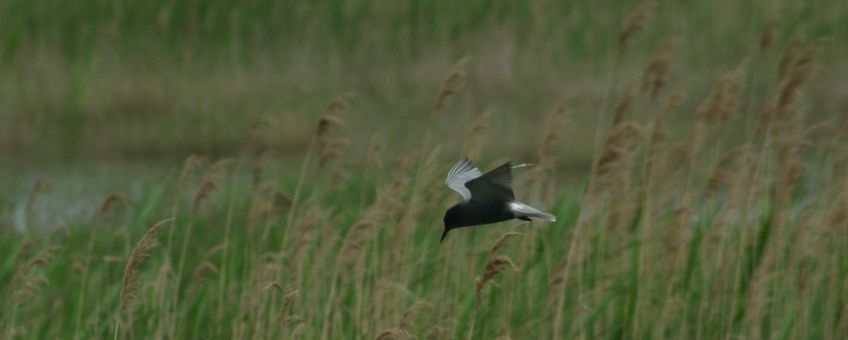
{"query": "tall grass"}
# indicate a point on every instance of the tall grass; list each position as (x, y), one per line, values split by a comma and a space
(682, 230)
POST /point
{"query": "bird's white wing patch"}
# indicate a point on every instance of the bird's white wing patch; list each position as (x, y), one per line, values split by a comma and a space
(462, 172)
(521, 209)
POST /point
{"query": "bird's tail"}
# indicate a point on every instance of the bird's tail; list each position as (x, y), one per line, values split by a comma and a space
(524, 210)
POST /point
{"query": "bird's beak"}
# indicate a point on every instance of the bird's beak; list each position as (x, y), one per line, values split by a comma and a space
(445, 233)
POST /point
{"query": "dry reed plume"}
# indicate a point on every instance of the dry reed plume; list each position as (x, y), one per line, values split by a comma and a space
(453, 83)
(476, 138)
(210, 183)
(613, 168)
(363, 229)
(494, 267)
(796, 66)
(30, 276)
(496, 264)
(139, 254)
(107, 207)
(726, 169)
(331, 147)
(656, 73)
(190, 165)
(658, 127)
(287, 317)
(635, 22)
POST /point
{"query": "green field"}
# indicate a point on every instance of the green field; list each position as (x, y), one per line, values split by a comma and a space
(221, 169)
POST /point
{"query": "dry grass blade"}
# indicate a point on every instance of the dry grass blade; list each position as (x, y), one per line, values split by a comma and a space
(495, 265)
(453, 83)
(139, 254)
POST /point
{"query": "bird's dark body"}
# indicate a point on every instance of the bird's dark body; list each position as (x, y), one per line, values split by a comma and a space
(473, 213)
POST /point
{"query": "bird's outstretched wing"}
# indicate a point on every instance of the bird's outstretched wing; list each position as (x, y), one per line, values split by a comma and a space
(494, 186)
(462, 172)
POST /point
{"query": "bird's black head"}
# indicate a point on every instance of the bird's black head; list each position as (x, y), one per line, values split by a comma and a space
(452, 219)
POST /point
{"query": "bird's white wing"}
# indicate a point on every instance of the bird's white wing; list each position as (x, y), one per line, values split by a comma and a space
(462, 172)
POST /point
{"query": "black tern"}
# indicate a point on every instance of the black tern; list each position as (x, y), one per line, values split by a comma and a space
(487, 198)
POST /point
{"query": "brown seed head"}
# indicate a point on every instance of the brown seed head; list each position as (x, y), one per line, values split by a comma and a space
(453, 83)
(495, 265)
(139, 254)
(656, 73)
(635, 22)
(768, 35)
(109, 203)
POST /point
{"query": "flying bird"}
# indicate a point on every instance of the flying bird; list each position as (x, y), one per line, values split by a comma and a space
(487, 198)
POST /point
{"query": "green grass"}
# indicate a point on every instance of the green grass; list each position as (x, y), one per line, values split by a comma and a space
(337, 235)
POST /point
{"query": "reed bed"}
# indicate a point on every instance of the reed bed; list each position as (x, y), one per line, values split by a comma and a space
(691, 223)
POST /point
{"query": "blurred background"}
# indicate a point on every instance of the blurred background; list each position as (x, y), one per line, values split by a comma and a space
(100, 96)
